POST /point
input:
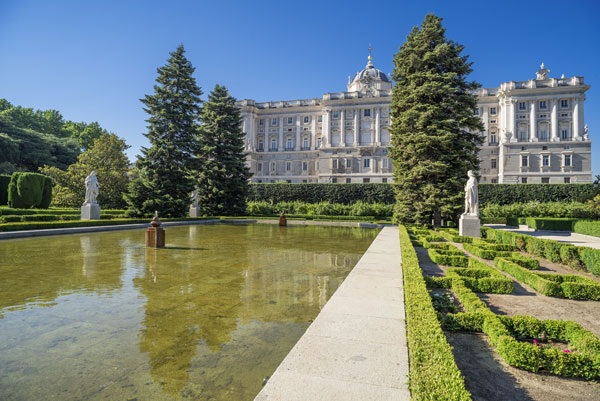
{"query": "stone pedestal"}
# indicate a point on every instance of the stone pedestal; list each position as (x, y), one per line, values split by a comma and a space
(90, 211)
(469, 226)
(282, 220)
(155, 237)
(195, 211)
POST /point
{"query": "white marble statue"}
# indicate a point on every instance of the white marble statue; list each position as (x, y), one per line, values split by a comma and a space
(195, 198)
(91, 188)
(471, 196)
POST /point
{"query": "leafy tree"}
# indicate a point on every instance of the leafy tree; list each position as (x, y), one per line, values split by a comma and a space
(222, 175)
(85, 133)
(106, 157)
(162, 181)
(435, 133)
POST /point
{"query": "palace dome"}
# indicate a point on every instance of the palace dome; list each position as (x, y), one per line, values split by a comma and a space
(369, 80)
(371, 72)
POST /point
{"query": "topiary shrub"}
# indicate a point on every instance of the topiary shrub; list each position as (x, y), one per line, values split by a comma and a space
(4, 181)
(29, 190)
(552, 251)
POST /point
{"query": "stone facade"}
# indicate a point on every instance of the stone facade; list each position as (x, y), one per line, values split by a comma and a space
(534, 133)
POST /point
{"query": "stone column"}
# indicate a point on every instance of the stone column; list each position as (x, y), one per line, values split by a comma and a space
(327, 128)
(554, 121)
(342, 127)
(576, 122)
(513, 120)
(533, 122)
(298, 129)
(313, 132)
(280, 142)
(377, 127)
(356, 127)
(486, 122)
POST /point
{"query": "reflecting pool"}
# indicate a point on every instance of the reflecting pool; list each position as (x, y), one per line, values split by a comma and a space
(100, 317)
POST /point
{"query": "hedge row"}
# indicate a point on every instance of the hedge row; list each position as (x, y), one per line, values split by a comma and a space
(447, 257)
(359, 208)
(502, 330)
(384, 193)
(576, 257)
(451, 235)
(433, 371)
(587, 227)
(4, 181)
(562, 209)
(47, 217)
(484, 252)
(5, 211)
(554, 285)
(41, 225)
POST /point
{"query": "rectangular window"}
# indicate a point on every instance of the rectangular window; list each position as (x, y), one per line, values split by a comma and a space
(348, 163)
(564, 133)
(334, 180)
(304, 166)
(288, 166)
(522, 106)
(543, 134)
(261, 122)
(306, 119)
(290, 120)
(545, 160)
(567, 160)
(493, 111)
(273, 144)
(320, 119)
(524, 161)
(261, 145)
(348, 180)
(523, 180)
(545, 180)
(385, 162)
(367, 113)
(305, 143)
(273, 121)
(336, 114)
(259, 167)
(384, 180)
(492, 138)
(494, 180)
(334, 163)
(366, 163)
(564, 103)
(567, 180)
(494, 163)
(366, 180)
(542, 104)
(272, 166)
(319, 142)
(289, 144)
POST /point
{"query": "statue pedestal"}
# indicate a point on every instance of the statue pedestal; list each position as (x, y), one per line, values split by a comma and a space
(195, 211)
(155, 237)
(90, 211)
(469, 225)
(282, 220)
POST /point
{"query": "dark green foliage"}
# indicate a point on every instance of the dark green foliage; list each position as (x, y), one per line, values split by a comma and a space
(314, 193)
(494, 220)
(590, 258)
(552, 250)
(220, 166)
(573, 210)
(434, 132)
(162, 179)
(40, 225)
(482, 280)
(452, 235)
(359, 208)
(29, 190)
(524, 261)
(4, 181)
(433, 373)
(504, 194)
(447, 258)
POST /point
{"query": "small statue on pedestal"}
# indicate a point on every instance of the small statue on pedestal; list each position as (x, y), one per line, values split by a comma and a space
(155, 235)
(90, 210)
(469, 223)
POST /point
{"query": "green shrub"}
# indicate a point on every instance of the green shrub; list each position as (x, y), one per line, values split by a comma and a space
(442, 257)
(587, 227)
(10, 219)
(40, 217)
(569, 256)
(590, 258)
(504, 194)
(494, 220)
(433, 371)
(29, 190)
(40, 225)
(4, 181)
(552, 250)
(315, 193)
(538, 283)
(524, 261)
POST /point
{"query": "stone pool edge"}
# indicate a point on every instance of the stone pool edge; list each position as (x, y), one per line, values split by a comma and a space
(91, 229)
(356, 347)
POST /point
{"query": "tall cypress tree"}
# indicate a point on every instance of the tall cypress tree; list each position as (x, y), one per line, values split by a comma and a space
(222, 175)
(435, 132)
(162, 179)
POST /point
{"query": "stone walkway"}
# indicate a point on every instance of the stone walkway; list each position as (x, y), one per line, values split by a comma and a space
(356, 347)
(560, 236)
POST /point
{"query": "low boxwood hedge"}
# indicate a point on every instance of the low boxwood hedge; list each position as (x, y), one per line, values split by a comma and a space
(447, 257)
(587, 227)
(41, 225)
(433, 371)
(452, 235)
(482, 280)
(485, 252)
(576, 257)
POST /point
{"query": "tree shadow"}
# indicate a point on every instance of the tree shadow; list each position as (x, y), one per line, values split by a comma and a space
(484, 376)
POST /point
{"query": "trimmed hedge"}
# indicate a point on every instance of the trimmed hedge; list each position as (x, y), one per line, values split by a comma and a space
(485, 252)
(447, 257)
(29, 190)
(452, 236)
(576, 257)
(576, 210)
(41, 225)
(482, 279)
(587, 227)
(384, 193)
(5, 211)
(555, 285)
(4, 181)
(433, 371)
(504, 194)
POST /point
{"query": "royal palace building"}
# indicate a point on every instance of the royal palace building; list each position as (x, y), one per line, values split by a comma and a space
(534, 133)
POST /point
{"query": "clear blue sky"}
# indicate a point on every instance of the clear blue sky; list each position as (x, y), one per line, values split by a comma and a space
(94, 60)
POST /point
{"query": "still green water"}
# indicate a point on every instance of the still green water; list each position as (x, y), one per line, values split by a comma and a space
(101, 317)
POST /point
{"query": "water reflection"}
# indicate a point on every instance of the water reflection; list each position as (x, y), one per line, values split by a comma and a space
(207, 317)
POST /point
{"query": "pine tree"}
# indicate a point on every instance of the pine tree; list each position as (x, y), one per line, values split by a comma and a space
(435, 132)
(162, 179)
(222, 175)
